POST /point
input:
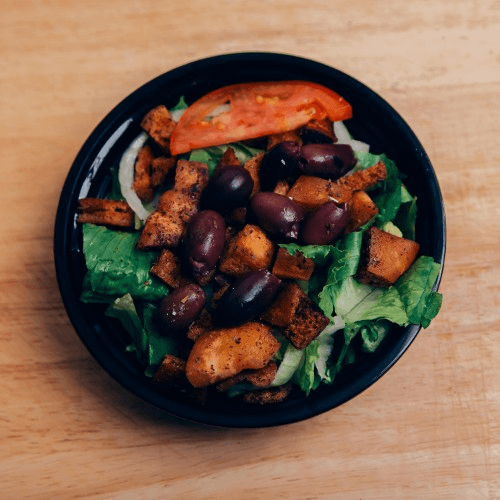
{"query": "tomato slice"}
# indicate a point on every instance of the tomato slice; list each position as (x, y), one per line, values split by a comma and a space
(248, 110)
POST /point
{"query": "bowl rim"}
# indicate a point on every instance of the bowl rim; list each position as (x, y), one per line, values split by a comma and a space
(100, 138)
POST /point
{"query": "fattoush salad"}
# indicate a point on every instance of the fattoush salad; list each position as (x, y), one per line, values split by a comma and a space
(251, 247)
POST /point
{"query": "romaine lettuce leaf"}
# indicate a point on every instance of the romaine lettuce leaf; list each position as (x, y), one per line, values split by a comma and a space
(149, 345)
(320, 254)
(115, 267)
(415, 290)
(346, 254)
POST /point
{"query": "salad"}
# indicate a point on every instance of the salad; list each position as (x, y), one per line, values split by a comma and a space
(251, 247)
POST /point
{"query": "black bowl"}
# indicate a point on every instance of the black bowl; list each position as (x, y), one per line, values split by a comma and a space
(374, 122)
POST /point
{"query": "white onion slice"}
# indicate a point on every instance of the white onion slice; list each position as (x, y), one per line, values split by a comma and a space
(126, 176)
(344, 137)
(176, 114)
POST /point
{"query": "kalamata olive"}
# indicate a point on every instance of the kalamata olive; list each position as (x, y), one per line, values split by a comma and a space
(277, 214)
(247, 298)
(204, 242)
(179, 309)
(280, 162)
(329, 161)
(325, 224)
(229, 187)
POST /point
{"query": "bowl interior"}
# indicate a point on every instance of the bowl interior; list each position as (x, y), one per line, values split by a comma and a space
(374, 122)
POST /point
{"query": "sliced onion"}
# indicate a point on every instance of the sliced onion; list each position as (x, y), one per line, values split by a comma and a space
(177, 113)
(344, 137)
(221, 108)
(126, 177)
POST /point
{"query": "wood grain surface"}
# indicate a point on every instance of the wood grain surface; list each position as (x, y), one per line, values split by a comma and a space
(429, 429)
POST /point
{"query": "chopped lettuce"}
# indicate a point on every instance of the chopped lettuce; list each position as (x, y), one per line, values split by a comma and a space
(147, 342)
(415, 289)
(115, 267)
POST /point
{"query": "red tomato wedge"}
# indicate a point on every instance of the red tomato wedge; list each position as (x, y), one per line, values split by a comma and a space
(248, 110)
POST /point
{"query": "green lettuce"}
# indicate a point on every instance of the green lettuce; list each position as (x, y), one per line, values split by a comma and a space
(148, 344)
(393, 200)
(115, 267)
(415, 289)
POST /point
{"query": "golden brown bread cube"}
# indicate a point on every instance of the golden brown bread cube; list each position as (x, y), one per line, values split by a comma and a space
(284, 308)
(297, 315)
(268, 396)
(160, 168)
(290, 136)
(166, 226)
(282, 188)
(361, 180)
(191, 178)
(361, 210)
(250, 250)
(307, 324)
(262, 377)
(253, 167)
(311, 192)
(295, 267)
(225, 352)
(159, 125)
(142, 177)
(167, 267)
(172, 370)
(105, 212)
(385, 257)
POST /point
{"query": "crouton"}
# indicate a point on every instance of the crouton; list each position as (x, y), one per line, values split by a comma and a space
(191, 178)
(159, 125)
(253, 167)
(318, 131)
(167, 267)
(166, 226)
(295, 267)
(297, 315)
(171, 371)
(290, 136)
(361, 180)
(142, 177)
(250, 250)
(282, 187)
(228, 159)
(306, 326)
(268, 396)
(361, 210)
(311, 192)
(284, 308)
(262, 377)
(160, 168)
(200, 326)
(385, 257)
(105, 212)
(225, 352)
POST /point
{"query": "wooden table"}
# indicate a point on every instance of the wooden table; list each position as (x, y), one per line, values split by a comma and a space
(429, 429)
